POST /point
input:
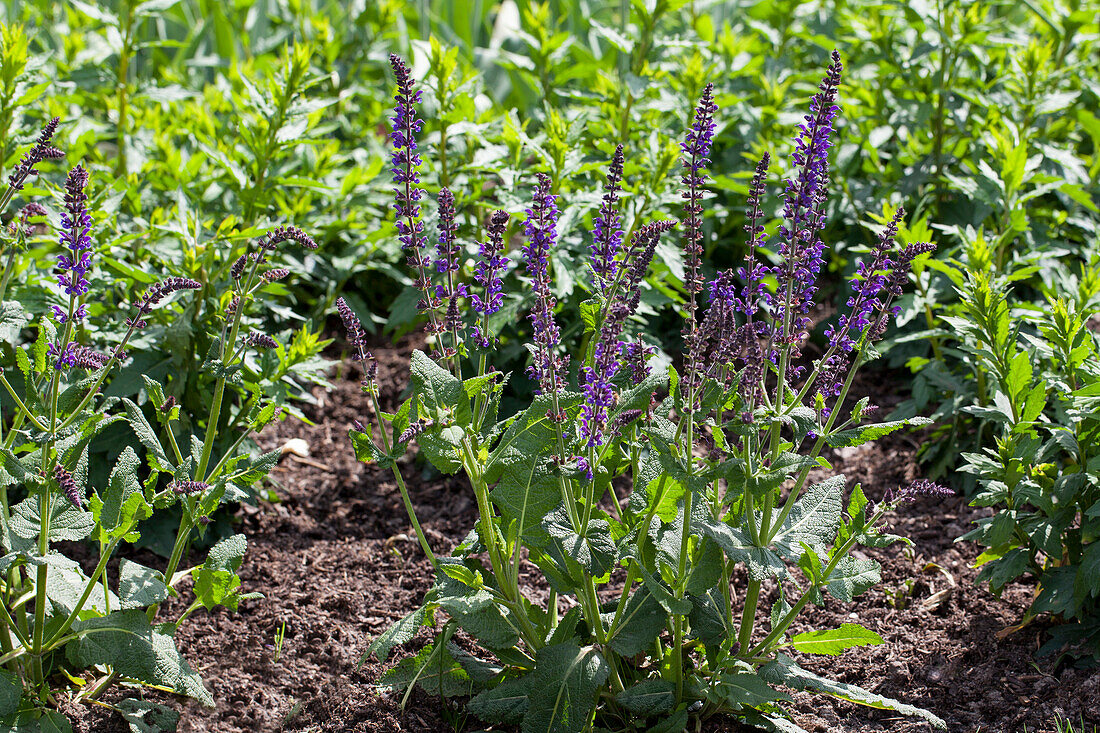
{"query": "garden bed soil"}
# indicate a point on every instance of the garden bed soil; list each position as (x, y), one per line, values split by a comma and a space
(337, 563)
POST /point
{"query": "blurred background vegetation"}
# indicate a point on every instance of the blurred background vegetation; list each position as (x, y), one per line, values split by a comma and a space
(206, 121)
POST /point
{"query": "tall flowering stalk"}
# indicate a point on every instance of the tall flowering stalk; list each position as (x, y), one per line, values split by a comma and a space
(448, 263)
(801, 247)
(696, 157)
(549, 367)
(489, 274)
(405, 161)
(607, 232)
(27, 167)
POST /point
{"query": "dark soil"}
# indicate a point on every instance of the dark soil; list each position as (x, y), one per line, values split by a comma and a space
(337, 562)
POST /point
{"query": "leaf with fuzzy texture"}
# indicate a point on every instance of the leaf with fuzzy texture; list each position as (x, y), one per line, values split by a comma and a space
(399, 633)
(761, 562)
(648, 698)
(852, 577)
(814, 519)
(563, 687)
(134, 648)
(867, 433)
(784, 671)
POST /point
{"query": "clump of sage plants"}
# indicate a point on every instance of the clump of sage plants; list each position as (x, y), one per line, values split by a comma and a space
(54, 616)
(641, 494)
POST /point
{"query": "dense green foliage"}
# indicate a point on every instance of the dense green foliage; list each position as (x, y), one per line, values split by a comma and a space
(204, 124)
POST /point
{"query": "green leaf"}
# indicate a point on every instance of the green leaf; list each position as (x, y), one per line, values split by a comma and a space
(563, 687)
(648, 698)
(641, 623)
(834, 641)
(761, 562)
(145, 433)
(67, 523)
(477, 613)
(852, 577)
(814, 519)
(595, 552)
(126, 641)
(434, 669)
(66, 582)
(399, 633)
(139, 586)
(506, 703)
(11, 692)
(12, 320)
(144, 716)
(122, 505)
(867, 433)
(216, 581)
(737, 689)
(783, 671)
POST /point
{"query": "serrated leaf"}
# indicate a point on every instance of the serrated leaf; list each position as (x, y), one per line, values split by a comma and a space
(761, 562)
(641, 623)
(783, 671)
(562, 688)
(648, 698)
(139, 586)
(145, 433)
(67, 523)
(506, 703)
(814, 519)
(144, 716)
(867, 433)
(852, 577)
(399, 633)
(834, 641)
(126, 641)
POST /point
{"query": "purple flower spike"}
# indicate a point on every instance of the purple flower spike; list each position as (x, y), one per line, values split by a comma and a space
(357, 339)
(154, 295)
(635, 357)
(489, 274)
(76, 239)
(696, 157)
(259, 340)
(41, 151)
(876, 284)
(549, 368)
(67, 484)
(753, 272)
(607, 233)
(804, 214)
(405, 161)
(448, 263)
(917, 489)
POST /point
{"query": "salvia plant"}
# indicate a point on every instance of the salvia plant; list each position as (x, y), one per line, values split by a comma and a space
(55, 616)
(659, 507)
(1041, 472)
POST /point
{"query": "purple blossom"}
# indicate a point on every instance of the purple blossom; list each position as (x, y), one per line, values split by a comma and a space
(188, 487)
(548, 368)
(802, 249)
(753, 272)
(876, 284)
(275, 274)
(75, 238)
(405, 161)
(634, 357)
(257, 339)
(917, 489)
(42, 150)
(607, 233)
(67, 484)
(357, 340)
(448, 264)
(597, 379)
(696, 157)
(154, 295)
(489, 273)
